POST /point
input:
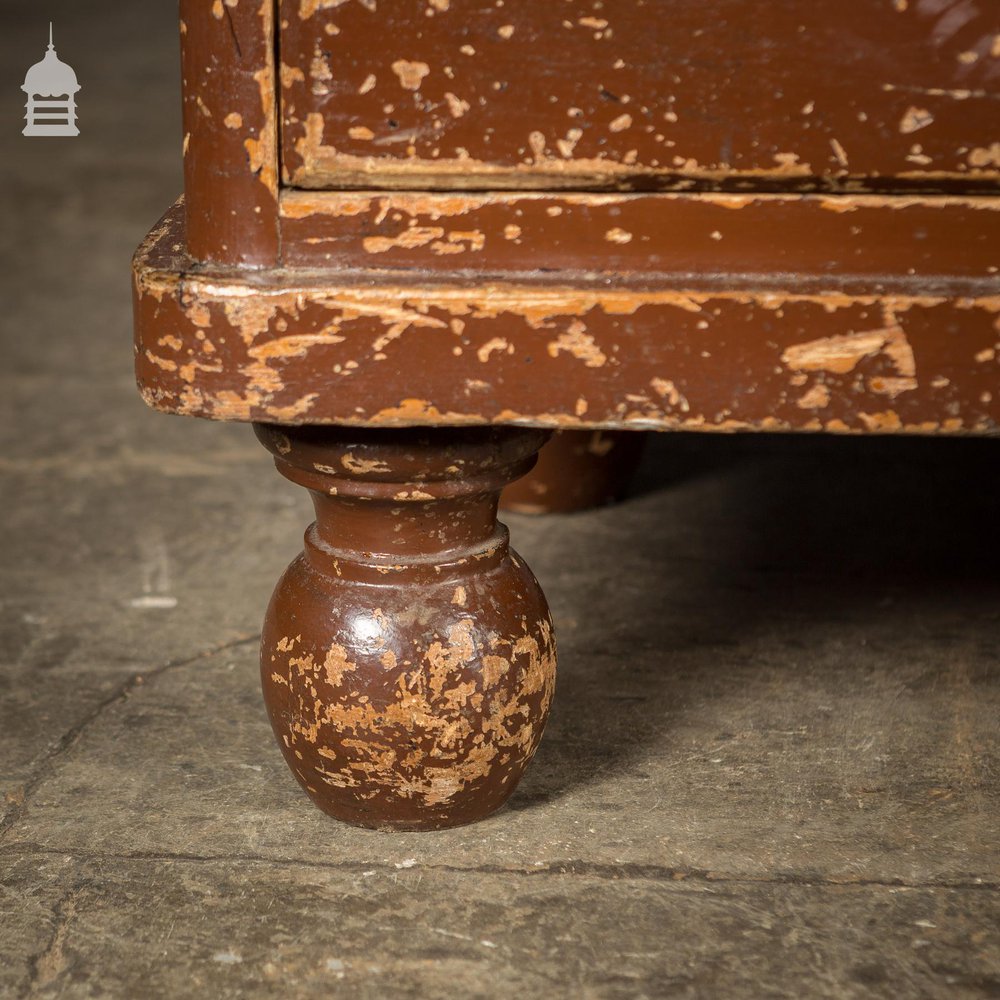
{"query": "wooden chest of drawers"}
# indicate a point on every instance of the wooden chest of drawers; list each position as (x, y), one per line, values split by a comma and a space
(491, 219)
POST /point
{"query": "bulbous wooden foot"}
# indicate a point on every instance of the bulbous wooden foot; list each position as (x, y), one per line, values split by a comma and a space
(577, 470)
(407, 657)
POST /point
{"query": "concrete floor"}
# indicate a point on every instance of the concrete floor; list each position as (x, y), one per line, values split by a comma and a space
(772, 769)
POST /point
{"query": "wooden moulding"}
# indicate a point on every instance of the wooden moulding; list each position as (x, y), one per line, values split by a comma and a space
(640, 94)
(230, 131)
(570, 349)
(825, 237)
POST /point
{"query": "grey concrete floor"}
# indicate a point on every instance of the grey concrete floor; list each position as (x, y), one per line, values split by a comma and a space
(772, 768)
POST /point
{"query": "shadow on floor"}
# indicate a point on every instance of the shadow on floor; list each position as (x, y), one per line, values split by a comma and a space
(799, 537)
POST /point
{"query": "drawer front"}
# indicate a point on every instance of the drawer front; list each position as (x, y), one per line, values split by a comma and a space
(640, 94)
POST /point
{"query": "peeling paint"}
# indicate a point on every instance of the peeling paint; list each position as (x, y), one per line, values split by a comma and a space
(841, 354)
(410, 74)
(580, 344)
(285, 347)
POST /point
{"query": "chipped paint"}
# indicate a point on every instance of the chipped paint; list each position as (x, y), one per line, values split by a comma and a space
(287, 346)
(886, 233)
(841, 354)
(410, 74)
(290, 75)
(915, 119)
(309, 7)
(666, 389)
(495, 344)
(416, 701)
(985, 156)
(362, 466)
(577, 342)
(815, 398)
(456, 105)
(263, 151)
(648, 123)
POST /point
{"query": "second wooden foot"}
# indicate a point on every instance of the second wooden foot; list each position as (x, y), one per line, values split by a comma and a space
(577, 470)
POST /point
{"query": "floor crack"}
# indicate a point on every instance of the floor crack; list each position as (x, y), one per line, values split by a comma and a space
(71, 737)
(578, 868)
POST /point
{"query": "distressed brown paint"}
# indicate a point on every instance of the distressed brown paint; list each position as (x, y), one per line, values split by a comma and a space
(230, 130)
(800, 352)
(872, 94)
(407, 658)
(576, 470)
(593, 217)
(837, 236)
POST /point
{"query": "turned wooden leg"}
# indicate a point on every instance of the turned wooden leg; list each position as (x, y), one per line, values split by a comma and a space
(577, 470)
(407, 657)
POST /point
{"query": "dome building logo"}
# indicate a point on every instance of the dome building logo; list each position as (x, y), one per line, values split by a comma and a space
(51, 86)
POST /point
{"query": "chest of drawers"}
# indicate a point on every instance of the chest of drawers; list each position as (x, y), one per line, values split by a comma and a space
(415, 237)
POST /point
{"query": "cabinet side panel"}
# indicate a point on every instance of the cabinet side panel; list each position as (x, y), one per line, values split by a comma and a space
(230, 135)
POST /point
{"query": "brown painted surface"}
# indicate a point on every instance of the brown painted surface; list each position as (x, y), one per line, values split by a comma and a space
(407, 659)
(873, 94)
(576, 470)
(407, 656)
(700, 235)
(367, 348)
(230, 130)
